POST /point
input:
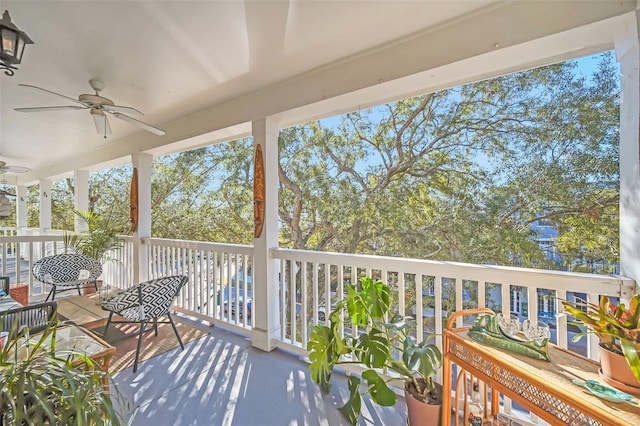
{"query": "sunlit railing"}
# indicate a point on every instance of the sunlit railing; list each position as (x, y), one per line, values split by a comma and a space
(117, 271)
(26, 246)
(310, 283)
(219, 287)
(427, 290)
(19, 253)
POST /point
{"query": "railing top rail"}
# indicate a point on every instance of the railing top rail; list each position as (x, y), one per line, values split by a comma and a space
(30, 238)
(199, 245)
(527, 277)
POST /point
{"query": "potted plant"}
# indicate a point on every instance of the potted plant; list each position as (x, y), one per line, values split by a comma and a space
(382, 346)
(99, 241)
(101, 237)
(618, 329)
(41, 386)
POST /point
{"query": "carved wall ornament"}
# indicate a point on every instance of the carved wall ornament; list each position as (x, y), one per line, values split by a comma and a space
(258, 191)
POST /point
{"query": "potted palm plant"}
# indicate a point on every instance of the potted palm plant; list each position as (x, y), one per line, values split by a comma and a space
(618, 328)
(102, 237)
(43, 386)
(99, 242)
(384, 347)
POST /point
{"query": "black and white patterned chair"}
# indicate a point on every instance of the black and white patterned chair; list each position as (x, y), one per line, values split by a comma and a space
(145, 303)
(67, 271)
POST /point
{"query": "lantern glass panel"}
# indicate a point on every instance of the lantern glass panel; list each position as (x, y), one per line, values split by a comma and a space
(9, 41)
(20, 49)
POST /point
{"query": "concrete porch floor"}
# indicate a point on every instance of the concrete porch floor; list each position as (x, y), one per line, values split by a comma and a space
(221, 380)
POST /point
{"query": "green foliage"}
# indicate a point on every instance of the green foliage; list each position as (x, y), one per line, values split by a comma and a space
(47, 387)
(457, 175)
(375, 347)
(463, 173)
(100, 239)
(618, 327)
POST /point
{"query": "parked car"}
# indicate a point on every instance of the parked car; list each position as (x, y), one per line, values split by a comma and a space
(231, 302)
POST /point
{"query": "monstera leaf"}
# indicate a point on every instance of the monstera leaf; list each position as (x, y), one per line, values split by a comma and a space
(424, 358)
(351, 410)
(374, 348)
(380, 392)
(370, 301)
(324, 350)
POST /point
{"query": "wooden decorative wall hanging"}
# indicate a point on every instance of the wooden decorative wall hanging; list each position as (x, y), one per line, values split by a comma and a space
(258, 191)
(133, 202)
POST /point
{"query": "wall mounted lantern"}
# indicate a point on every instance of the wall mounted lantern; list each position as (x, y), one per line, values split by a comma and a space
(12, 47)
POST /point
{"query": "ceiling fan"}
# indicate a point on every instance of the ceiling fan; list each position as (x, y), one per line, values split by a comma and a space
(98, 107)
(5, 168)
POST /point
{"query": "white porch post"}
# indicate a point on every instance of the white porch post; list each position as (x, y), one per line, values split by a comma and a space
(142, 162)
(81, 197)
(266, 330)
(45, 203)
(21, 206)
(628, 54)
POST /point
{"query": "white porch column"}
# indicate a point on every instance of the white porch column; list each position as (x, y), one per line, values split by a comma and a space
(21, 206)
(45, 203)
(81, 197)
(628, 54)
(143, 163)
(265, 269)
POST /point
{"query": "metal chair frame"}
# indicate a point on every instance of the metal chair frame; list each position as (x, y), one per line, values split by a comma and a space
(34, 318)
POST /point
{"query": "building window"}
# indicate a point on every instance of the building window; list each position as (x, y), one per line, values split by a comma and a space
(546, 304)
(516, 302)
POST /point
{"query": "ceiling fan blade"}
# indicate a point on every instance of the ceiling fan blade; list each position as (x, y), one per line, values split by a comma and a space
(15, 169)
(122, 109)
(101, 122)
(53, 93)
(51, 108)
(138, 123)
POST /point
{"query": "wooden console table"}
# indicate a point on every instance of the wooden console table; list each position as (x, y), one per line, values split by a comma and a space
(544, 388)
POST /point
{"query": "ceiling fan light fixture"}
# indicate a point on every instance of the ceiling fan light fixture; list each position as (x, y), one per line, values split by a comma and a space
(101, 122)
(12, 46)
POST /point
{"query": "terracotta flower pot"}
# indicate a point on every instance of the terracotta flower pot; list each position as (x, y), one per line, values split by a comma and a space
(90, 289)
(615, 370)
(421, 413)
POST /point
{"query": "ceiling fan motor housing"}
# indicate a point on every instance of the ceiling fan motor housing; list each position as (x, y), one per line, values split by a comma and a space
(95, 100)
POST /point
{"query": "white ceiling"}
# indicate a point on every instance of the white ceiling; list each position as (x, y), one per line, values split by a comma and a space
(176, 60)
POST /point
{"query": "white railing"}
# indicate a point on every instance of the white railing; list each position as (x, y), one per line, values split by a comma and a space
(220, 291)
(7, 231)
(423, 288)
(118, 270)
(19, 253)
(219, 287)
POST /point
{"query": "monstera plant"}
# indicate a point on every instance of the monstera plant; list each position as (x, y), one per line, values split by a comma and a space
(384, 346)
